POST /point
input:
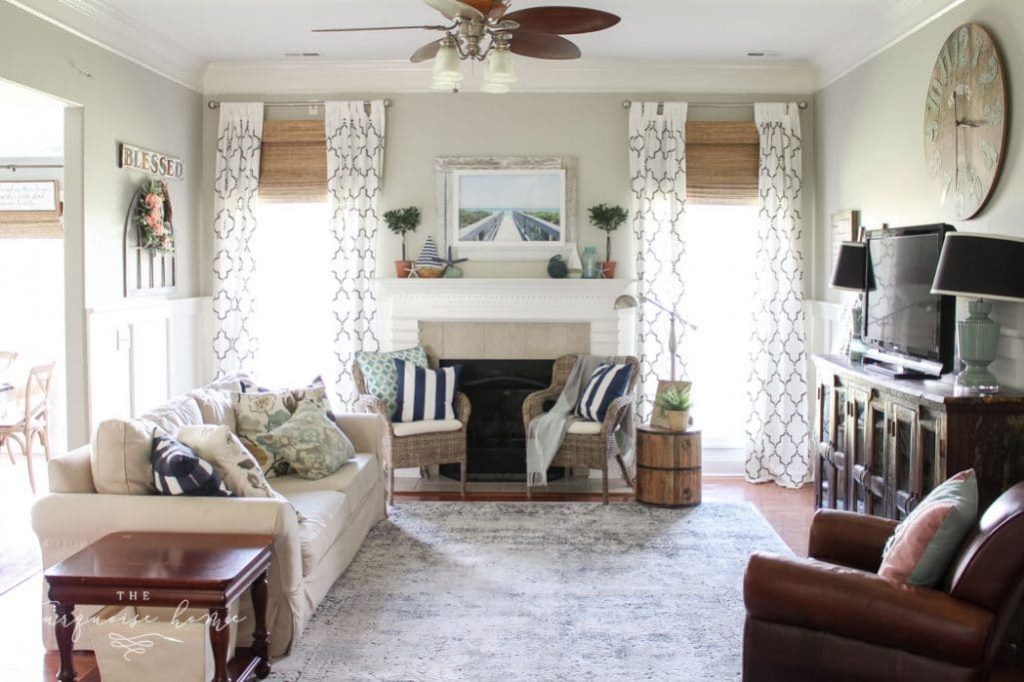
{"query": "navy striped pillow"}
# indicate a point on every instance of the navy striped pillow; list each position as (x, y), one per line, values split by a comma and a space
(178, 471)
(425, 394)
(607, 383)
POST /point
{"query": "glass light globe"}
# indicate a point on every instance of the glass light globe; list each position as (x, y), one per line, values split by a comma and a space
(499, 67)
(446, 65)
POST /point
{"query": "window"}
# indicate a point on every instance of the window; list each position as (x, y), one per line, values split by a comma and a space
(720, 244)
(293, 292)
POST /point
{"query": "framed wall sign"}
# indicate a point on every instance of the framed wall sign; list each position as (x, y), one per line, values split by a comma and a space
(154, 163)
(30, 208)
(507, 208)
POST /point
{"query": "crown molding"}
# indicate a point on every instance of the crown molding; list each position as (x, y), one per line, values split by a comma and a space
(98, 23)
(535, 76)
(867, 41)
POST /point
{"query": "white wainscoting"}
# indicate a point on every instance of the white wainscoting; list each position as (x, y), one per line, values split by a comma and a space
(143, 353)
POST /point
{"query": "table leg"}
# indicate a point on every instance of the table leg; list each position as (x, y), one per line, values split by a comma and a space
(220, 634)
(64, 628)
(261, 635)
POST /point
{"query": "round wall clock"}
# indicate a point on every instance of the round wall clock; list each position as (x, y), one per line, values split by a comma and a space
(965, 121)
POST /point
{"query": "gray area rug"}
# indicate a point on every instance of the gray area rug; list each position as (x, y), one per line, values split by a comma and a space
(457, 591)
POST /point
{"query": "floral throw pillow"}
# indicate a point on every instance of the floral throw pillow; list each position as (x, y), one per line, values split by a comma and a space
(380, 375)
(260, 413)
(311, 444)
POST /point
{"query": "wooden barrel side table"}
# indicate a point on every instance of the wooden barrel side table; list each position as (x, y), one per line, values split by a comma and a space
(668, 467)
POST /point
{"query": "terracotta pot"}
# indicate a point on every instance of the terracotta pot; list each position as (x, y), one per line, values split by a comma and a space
(608, 269)
(678, 420)
(403, 268)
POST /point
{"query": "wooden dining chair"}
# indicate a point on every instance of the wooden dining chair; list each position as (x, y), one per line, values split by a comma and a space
(29, 417)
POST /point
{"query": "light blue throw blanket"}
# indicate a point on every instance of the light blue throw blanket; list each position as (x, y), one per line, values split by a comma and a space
(547, 431)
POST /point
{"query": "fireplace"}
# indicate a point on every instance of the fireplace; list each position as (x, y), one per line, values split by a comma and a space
(496, 439)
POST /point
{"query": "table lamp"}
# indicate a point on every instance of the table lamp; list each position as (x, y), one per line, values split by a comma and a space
(848, 275)
(986, 268)
(627, 301)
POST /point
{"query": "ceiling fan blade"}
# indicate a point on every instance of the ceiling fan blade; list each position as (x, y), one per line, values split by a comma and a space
(542, 45)
(428, 51)
(379, 28)
(454, 8)
(563, 20)
(498, 10)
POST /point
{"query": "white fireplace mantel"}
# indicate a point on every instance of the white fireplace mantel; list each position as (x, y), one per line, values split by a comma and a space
(404, 303)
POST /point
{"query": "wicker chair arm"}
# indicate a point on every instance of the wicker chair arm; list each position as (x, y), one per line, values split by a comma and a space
(374, 405)
(620, 408)
(533, 406)
(463, 409)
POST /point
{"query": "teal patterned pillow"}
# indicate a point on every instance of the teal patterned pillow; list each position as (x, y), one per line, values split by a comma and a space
(312, 444)
(380, 375)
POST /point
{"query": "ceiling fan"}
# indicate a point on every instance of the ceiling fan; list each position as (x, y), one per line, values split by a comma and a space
(485, 30)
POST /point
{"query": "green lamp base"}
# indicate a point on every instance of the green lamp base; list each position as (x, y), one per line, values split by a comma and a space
(979, 339)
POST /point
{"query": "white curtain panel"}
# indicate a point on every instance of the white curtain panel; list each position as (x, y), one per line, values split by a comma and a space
(235, 198)
(778, 447)
(657, 176)
(355, 171)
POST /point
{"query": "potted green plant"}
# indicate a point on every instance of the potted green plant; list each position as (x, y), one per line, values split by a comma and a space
(608, 218)
(675, 403)
(400, 221)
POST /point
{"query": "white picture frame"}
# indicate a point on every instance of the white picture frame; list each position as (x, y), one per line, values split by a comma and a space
(555, 171)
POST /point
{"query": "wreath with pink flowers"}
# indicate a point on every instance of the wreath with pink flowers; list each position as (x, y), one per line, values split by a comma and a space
(153, 216)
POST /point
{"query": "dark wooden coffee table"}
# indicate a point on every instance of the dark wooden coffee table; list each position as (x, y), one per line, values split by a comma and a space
(165, 569)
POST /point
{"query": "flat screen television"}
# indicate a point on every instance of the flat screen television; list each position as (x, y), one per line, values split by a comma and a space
(901, 315)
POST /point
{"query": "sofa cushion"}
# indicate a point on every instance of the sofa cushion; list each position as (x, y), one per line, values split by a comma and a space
(312, 444)
(215, 406)
(120, 454)
(923, 545)
(584, 428)
(356, 479)
(177, 470)
(403, 429)
(379, 374)
(233, 463)
(172, 415)
(324, 513)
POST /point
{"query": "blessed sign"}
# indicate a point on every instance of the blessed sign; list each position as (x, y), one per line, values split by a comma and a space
(28, 196)
(151, 162)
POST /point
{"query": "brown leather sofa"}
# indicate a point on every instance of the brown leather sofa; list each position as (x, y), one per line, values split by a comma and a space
(831, 617)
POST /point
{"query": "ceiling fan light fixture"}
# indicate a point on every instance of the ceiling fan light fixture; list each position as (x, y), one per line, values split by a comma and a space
(447, 65)
(499, 67)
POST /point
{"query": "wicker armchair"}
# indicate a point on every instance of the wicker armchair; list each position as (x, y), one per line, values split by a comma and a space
(419, 450)
(585, 450)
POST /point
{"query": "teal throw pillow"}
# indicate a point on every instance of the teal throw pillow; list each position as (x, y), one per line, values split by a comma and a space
(380, 375)
(311, 444)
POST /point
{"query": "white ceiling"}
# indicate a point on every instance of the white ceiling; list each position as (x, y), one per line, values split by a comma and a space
(181, 38)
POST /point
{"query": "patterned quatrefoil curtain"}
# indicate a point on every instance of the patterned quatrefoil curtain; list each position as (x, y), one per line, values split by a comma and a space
(778, 447)
(657, 176)
(236, 194)
(355, 171)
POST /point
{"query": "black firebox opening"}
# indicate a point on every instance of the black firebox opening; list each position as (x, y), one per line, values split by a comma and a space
(496, 439)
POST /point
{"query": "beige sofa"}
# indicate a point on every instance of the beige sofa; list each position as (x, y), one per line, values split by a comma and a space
(309, 555)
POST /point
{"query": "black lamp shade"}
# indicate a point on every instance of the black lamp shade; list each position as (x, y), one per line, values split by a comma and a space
(849, 269)
(981, 266)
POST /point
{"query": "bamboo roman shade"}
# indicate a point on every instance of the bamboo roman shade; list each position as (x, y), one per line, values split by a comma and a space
(722, 162)
(293, 162)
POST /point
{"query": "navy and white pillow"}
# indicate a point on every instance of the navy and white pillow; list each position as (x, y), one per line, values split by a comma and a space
(178, 471)
(607, 383)
(425, 394)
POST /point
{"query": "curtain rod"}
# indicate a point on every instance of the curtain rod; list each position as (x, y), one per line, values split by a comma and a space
(214, 104)
(626, 104)
(15, 166)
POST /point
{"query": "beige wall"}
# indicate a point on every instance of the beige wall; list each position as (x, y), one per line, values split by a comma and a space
(121, 102)
(592, 128)
(871, 154)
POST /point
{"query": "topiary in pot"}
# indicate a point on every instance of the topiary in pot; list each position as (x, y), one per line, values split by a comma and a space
(400, 221)
(607, 218)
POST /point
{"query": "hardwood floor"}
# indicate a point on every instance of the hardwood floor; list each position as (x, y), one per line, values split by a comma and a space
(22, 656)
